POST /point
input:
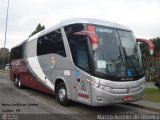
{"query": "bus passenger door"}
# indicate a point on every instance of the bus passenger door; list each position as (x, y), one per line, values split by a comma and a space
(81, 73)
(83, 87)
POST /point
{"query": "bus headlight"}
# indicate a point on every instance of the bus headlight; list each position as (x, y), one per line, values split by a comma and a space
(143, 85)
(106, 89)
(101, 87)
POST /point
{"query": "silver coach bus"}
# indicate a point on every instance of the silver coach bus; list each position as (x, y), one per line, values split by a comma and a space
(90, 61)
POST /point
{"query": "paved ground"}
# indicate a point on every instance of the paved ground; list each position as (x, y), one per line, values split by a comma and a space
(29, 104)
(148, 105)
(151, 85)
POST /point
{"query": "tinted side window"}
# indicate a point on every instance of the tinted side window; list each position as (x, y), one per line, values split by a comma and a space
(78, 46)
(51, 43)
(82, 55)
(72, 39)
(70, 29)
(17, 52)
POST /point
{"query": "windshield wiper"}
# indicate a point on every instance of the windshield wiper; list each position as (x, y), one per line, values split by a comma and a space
(133, 65)
(130, 61)
(121, 57)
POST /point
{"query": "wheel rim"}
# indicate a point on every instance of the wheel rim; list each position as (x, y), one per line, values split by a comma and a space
(62, 94)
(19, 83)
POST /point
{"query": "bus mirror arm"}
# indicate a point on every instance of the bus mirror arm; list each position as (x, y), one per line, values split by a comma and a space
(92, 37)
(149, 44)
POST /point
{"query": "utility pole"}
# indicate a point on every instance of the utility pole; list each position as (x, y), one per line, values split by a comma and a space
(5, 35)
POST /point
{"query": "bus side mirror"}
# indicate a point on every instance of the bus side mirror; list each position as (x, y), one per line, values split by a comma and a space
(92, 37)
(149, 44)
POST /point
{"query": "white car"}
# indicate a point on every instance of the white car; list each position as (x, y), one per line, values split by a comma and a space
(7, 67)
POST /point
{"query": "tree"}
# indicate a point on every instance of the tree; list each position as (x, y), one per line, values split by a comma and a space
(4, 56)
(38, 29)
(152, 63)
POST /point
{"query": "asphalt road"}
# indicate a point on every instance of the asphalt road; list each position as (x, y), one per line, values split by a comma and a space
(30, 104)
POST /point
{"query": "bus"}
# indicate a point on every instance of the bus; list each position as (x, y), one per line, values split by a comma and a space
(91, 61)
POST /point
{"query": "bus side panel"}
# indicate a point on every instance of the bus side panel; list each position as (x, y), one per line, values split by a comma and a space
(37, 77)
(19, 69)
(32, 82)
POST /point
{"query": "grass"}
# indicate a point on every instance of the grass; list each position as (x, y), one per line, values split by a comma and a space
(152, 94)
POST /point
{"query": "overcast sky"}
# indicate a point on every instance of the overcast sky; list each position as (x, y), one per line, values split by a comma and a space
(142, 16)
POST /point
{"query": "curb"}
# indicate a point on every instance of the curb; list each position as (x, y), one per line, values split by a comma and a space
(144, 107)
(4, 73)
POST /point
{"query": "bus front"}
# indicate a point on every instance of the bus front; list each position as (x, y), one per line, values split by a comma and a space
(118, 74)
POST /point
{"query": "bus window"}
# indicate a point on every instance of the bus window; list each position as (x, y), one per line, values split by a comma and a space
(78, 46)
(82, 55)
(51, 43)
(16, 53)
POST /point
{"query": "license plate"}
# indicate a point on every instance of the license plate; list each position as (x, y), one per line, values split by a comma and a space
(127, 98)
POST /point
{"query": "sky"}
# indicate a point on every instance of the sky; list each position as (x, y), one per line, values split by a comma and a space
(142, 16)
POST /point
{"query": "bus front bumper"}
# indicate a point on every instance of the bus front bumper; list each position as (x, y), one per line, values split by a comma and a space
(101, 98)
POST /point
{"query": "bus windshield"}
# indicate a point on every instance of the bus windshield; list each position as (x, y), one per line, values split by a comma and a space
(118, 53)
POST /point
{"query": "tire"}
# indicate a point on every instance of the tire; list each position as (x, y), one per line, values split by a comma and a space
(19, 84)
(61, 94)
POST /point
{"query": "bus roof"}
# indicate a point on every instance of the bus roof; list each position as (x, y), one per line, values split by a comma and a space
(86, 21)
(94, 21)
(78, 20)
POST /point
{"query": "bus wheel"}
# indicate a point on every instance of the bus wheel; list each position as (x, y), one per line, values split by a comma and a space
(61, 94)
(16, 81)
(20, 83)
